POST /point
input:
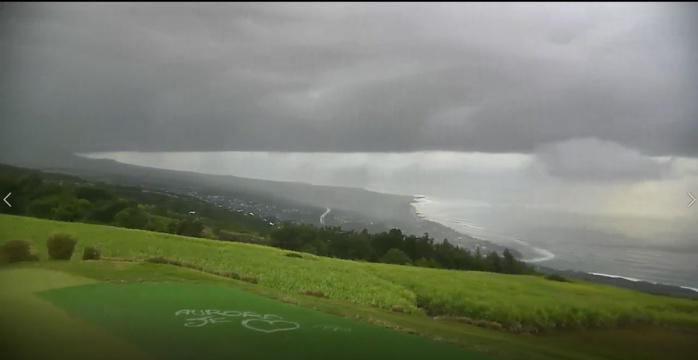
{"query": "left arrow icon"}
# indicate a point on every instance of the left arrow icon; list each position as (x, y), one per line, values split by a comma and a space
(5, 199)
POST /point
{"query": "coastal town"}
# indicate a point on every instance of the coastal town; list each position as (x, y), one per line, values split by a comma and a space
(274, 212)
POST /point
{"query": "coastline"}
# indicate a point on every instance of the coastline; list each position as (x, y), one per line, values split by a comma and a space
(413, 208)
(642, 285)
(642, 280)
(421, 223)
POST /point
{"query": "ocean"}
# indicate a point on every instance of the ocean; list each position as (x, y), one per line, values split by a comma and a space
(656, 250)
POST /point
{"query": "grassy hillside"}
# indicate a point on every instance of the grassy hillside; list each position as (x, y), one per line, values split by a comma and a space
(515, 303)
(64, 198)
(214, 212)
(533, 303)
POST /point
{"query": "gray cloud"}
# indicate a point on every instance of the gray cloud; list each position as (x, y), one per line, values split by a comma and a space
(347, 77)
(596, 160)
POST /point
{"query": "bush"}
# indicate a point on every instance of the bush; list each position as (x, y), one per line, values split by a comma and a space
(308, 248)
(556, 277)
(16, 251)
(316, 293)
(395, 256)
(132, 218)
(91, 253)
(190, 227)
(249, 279)
(421, 262)
(60, 246)
(397, 309)
(294, 255)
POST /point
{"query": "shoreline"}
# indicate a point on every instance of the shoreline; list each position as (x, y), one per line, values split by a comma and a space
(642, 280)
(443, 231)
(646, 286)
(642, 285)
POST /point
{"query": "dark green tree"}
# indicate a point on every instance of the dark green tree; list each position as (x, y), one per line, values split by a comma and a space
(190, 227)
(92, 193)
(70, 209)
(509, 263)
(395, 256)
(133, 218)
(43, 208)
(494, 262)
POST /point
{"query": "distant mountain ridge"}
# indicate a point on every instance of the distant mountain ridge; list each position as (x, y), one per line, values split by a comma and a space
(392, 210)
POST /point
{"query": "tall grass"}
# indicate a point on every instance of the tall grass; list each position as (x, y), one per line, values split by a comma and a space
(531, 302)
(515, 302)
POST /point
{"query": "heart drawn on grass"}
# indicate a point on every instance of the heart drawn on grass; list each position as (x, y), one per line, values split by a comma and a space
(270, 326)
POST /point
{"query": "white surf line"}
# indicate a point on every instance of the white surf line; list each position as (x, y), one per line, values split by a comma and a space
(689, 288)
(462, 226)
(641, 280)
(466, 225)
(545, 256)
(322, 217)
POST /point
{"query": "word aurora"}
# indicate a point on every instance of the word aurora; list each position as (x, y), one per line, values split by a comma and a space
(267, 323)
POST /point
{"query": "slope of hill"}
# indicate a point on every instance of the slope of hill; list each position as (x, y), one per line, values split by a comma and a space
(435, 303)
(376, 205)
(69, 198)
(373, 210)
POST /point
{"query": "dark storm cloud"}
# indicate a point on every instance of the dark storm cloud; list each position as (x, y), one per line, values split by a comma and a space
(347, 77)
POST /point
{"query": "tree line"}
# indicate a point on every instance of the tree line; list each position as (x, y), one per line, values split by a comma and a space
(392, 247)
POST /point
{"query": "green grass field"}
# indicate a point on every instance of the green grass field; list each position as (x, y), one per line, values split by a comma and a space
(534, 302)
(619, 324)
(188, 321)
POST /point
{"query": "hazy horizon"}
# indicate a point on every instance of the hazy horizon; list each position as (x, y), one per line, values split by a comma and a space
(634, 229)
(505, 179)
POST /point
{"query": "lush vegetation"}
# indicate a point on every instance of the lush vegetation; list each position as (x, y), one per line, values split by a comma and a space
(392, 247)
(68, 198)
(60, 246)
(12, 251)
(91, 253)
(514, 303)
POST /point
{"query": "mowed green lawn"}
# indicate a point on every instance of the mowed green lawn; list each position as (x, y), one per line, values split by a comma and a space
(194, 321)
(368, 292)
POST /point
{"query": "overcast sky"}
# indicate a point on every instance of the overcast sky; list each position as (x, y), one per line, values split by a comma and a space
(584, 93)
(350, 77)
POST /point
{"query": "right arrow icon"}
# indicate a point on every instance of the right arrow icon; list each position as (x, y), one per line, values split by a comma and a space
(693, 199)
